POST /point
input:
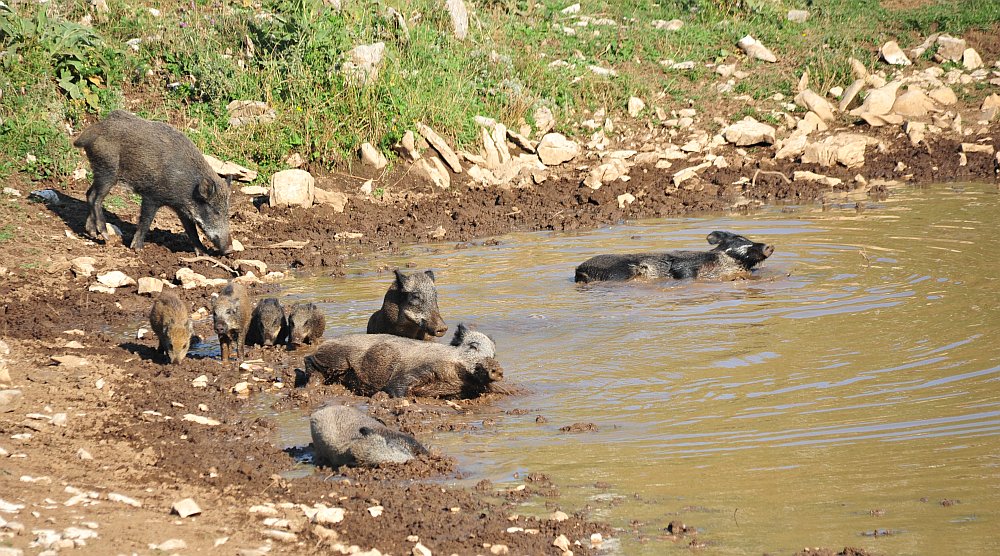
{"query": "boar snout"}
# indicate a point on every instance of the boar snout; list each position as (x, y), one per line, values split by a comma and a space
(768, 250)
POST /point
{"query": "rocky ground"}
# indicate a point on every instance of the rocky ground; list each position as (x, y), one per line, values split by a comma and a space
(101, 442)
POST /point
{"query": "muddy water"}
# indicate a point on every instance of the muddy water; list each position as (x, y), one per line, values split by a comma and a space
(850, 389)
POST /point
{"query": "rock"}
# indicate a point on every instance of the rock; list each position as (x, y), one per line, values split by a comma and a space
(83, 266)
(544, 120)
(363, 63)
(328, 516)
(9, 400)
(571, 9)
(246, 112)
(335, 199)
(521, 141)
(798, 16)
(370, 156)
(254, 190)
(672, 25)
(724, 70)
(100, 288)
(603, 72)
(913, 103)
(295, 160)
(441, 147)
(190, 279)
(625, 199)
(878, 120)
(792, 147)
(605, 173)
(950, 48)
(122, 499)
(419, 549)
(878, 101)
(892, 54)
(459, 18)
(499, 549)
(835, 92)
(500, 143)
(186, 507)
(432, 170)
(686, 174)
(754, 49)
(46, 195)
(858, 69)
(810, 123)
(944, 96)
(847, 149)
(224, 169)
(558, 516)
(562, 543)
(150, 285)
(970, 148)
(915, 131)
(800, 175)
(408, 146)
(292, 188)
(816, 104)
(555, 148)
(635, 106)
(168, 546)
(115, 279)
(971, 60)
(991, 102)
(749, 132)
(201, 420)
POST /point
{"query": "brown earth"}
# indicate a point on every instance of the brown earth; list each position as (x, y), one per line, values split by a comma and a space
(126, 408)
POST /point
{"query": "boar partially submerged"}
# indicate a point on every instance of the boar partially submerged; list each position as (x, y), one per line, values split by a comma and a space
(165, 168)
(231, 318)
(342, 435)
(733, 257)
(171, 323)
(368, 363)
(305, 325)
(410, 309)
(267, 324)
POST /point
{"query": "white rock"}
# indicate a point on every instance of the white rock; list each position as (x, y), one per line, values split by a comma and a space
(115, 279)
(441, 146)
(409, 146)
(847, 149)
(915, 131)
(328, 516)
(913, 103)
(239, 173)
(603, 72)
(944, 96)
(201, 420)
(819, 105)
(971, 59)
(754, 49)
(672, 25)
(371, 156)
(810, 123)
(604, 173)
(100, 288)
(951, 48)
(335, 199)
(892, 54)
(558, 516)
(363, 63)
(835, 92)
(879, 101)
(295, 160)
(555, 148)
(544, 120)
(253, 190)
(635, 106)
(970, 148)
(801, 175)
(500, 142)
(571, 9)
(850, 97)
(200, 382)
(171, 545)
(83, 266)
(148, 284)
(749, 132)
(122, 499)
(186, 507)
(686, 174)
(858, 69)
(433, 171)
(245, 112)
(562, 543)
(292, 188)
(459, 18)
(798, 16)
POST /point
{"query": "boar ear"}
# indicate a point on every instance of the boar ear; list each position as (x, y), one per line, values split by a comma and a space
(430, 274)
(460, 333)
(365, 431)
(206, 190)
(400, 277)
(716, 237)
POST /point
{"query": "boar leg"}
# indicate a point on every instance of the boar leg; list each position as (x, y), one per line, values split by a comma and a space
(414, 382)
(146, 213)
(224, 348)
(192, 232)
(104, 180)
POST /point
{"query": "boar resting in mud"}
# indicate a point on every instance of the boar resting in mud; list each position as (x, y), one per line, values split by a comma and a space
(171, 323)
(231, 315)
(410, 309)
(368, 363)
(164, 167)
(342, 435)
(267, 324)
(733, 257)
(305, 324)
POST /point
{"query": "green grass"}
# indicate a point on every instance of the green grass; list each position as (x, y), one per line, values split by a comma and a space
(195, 58)
(6, 233)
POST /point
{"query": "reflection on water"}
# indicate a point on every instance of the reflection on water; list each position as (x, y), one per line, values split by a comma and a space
(860, 372)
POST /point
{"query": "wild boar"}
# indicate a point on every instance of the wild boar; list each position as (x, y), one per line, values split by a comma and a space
(410, 309)
(305, 325)
(342, 435)
(171, 323)
(267, 324)
(368, 363)
(165, 168)
(231, 316)
(733, 257)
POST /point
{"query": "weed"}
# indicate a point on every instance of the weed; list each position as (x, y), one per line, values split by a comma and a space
(6, 233)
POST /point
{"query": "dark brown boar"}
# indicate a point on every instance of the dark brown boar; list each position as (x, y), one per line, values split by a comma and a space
(171, 323)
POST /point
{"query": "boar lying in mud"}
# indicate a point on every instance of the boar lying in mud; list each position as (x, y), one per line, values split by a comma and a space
(268, 326)
(368, 363)
(733, 257)
(171, 323)
(342, 435)
(165, 168)
(410, 309)
(231, 316)
(305, 325)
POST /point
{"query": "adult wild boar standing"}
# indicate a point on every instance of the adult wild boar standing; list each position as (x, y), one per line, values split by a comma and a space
(165, 168)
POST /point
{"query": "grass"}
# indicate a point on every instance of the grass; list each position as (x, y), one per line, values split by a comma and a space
(7, 233)
(188, 63)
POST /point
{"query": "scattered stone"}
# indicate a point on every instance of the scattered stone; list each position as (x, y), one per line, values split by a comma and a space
(127, 500)
(83, 266)
(253, 190)
(913, 103)
(200, 382)
(46, 195)
(10, 400)
(363, 63)
(201, 420)
(441, 147)
(915, 131)
(950, 48)
(500, 142)
(810, 123)
(421, 550)
(499, 549)
(433, 171)
(246, 112)
(879, 101)
(371, 156)
(607, 172)
(816, 104)
(858, 69)
(169, 546)
(635, 106)
(459, 18)
(847, 149)
(150, 285)
(625, 199)
(971, 60)
(969, 148)
(335, 199)
(749, 132)
(292, 188)
(558, 516)
(686, 174)
(944, 96)
(798, 16)
(754, 49)
(835, 92)
(991, 102)
(571, 9)
(283, 536)
(84, 455)
(11, 192)
(562, 543)
(892, 54)
(186, 507)
(69, 360)
(408, 146)
(295, 160)
(801, 175)
(224, 169)
(555, 148)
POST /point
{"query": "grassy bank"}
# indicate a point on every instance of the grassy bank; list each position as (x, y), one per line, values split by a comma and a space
(63, 62)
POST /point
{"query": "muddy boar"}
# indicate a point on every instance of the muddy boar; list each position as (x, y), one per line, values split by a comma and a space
(231, 316)
(343, 435)
(305, 325)
(165, 168)
(368, 363)
(410, 309)
(267, 324)
(171, 323)
(733, 257)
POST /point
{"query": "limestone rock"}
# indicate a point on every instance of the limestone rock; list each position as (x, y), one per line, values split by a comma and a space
(607, 172)
(892, 54)
(186, 507)
(500, 142)
(686, 174)
(879, 101)
(635, 106)
(83, 266)
(850, 97)
(363, 63)
(798, 16)
(224, 169)
(544, 120)
(944, 96)
(292, 188)
(335, 199)
(810, 123)
(441, 146)
(915, 131)
(490, 154)
(878, 120)
(150, 285)
(9, 400)
(858, 69)
(371, 156)
(408, 146)
(245, 112)
(913, 103)
(115, 279)
(969, 148)
(951, 48)
(749, 132)
(754, 49)
(254, 190)
(459, 18)
(792, 147)
(433, 171)
(625, 199)
(672, 25)
(971, 60)
(847, 149)
(555, 148)
(801, 175)
(816, 104)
